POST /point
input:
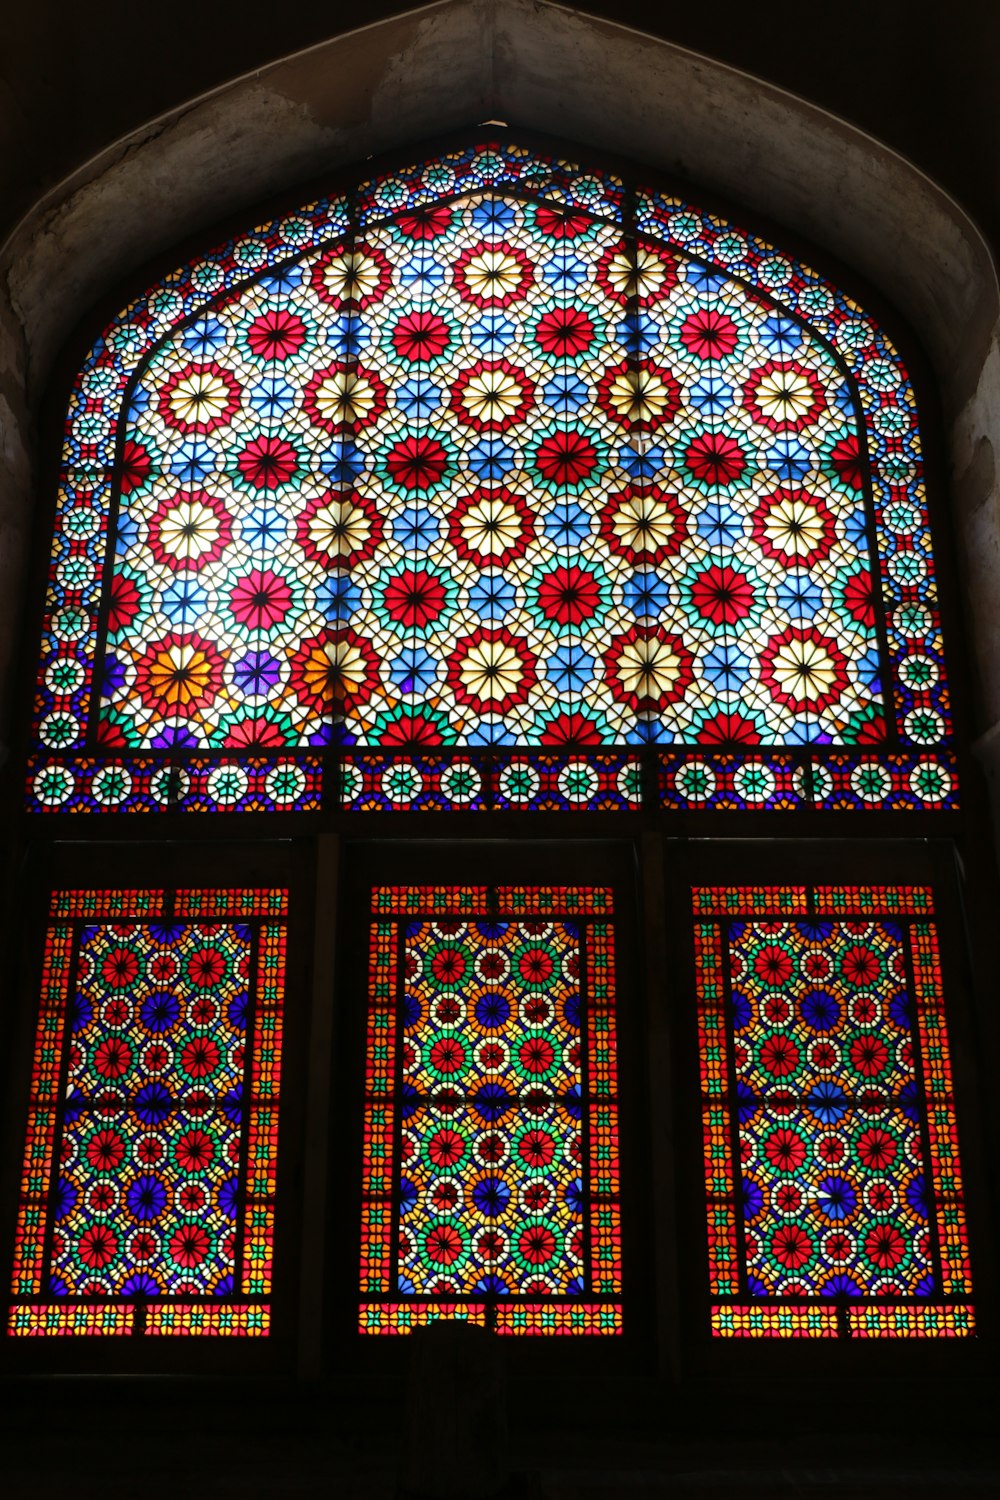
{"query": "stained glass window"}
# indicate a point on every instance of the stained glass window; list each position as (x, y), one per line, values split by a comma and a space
(489, 455)
(491, 1177)
(147, 1191)
(831, 1155)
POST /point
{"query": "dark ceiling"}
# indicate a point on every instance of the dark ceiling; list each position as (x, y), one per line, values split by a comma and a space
(918, 74)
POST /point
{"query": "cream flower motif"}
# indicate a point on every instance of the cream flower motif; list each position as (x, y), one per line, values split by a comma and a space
(189, 529)
(492, 274)
(339, 528)
(344, 396)
(492, 395)
(795, 526)
(642, 523)
(200, 396)
(785, 395)
(490, 526)
(649, 666)
(805, 670)
(639, 395)
(351, 275)
(643, 277)
(491, 670)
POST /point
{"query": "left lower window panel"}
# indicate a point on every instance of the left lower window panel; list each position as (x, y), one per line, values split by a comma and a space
(147, 1189)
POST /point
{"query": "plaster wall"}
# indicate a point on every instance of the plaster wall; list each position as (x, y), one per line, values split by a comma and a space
(554, 70)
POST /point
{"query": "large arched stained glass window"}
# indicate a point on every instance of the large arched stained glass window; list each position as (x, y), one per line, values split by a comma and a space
(491, 482)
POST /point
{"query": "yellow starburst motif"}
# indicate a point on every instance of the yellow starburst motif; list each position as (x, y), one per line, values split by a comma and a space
(338, 663)
(804, 669)
(639, 395)
(179, 674)
(351, 275)
(189, 529)
(492, 396)
(491, 670)
(784, 396)
(492, 274)
(643, 276)
(344, 396)
(201, 396)
(649, 667)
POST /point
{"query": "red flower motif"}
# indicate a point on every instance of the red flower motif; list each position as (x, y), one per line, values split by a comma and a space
(713, 458)
(885, 1247)
(537, 1244)
(119, 968)
(443, 1244)
(446, 1148)
(276, 334)
(560, 224)
(420, 337)
(189, 1245)
(860, 966)
(569, 595)
(98, 1246)
(124, 603)
(536, 1054)
(254, 734)
(791, 1246)
(418, 464)
(195, 1151)
(200, 1057)
(136, 466)
(564, 332)
(869, 1055)
(105, 1150)
(708, 334)
(728, 729)
(722, 595)
(536, 1148)
(448, 965)
(779, 1056)
(415, 598)
(206, 967)
(773, 965)
(859, 599)
(260, 600)
(848, 463)
(535, 966)
(571, 729)
(425, 223)
(565, 459)
(447, 1055)
(785, 1150)
(412, 731)
(876, 1149)
(113, 1057)
(267, 462)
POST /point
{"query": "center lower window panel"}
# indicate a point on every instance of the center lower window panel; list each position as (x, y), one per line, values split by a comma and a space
(490, 1178)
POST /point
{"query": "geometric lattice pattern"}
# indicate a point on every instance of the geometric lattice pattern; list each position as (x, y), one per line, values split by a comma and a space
(493, 454)
(148, 1185)
(490, 1187)
(831, 1159)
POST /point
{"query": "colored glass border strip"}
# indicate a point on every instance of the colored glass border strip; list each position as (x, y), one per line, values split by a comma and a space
(30, 1315)
(949, 1315)
(505, 1315)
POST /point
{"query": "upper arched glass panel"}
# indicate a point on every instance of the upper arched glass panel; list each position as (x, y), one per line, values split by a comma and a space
(492, 482)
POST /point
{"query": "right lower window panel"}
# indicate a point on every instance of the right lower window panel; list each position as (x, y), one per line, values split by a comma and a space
(834, 1191)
